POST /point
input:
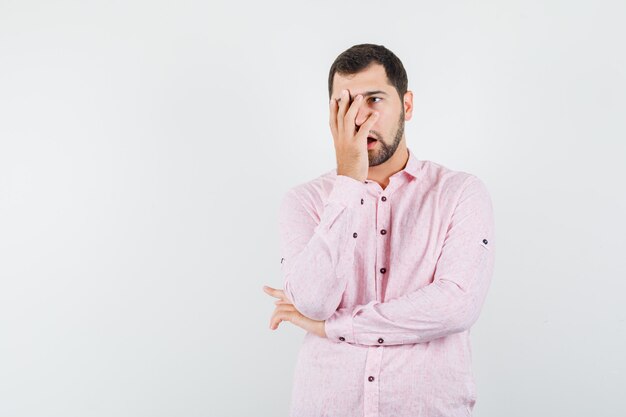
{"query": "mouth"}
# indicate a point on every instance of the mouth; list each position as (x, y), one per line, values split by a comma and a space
(371, 142)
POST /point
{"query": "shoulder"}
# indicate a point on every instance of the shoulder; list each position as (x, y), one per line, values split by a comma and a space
(310, 196)
(447, 183)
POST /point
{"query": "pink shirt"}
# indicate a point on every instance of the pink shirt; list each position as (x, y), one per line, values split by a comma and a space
(400, 276)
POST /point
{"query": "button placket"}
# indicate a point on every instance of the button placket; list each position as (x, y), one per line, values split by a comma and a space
(382, 218)
(383, 270)
(371, 381)
(355, 234)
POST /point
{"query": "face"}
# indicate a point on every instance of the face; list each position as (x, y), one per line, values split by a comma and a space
(382, 97)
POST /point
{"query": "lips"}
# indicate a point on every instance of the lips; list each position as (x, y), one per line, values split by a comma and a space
(370, 139)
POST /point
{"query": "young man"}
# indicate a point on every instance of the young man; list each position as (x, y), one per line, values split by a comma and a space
(386, 261)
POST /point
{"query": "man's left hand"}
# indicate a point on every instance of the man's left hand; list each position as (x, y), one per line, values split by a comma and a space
(285, 311)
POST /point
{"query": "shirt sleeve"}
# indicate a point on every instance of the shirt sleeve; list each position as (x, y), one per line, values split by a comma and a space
(318, 253)
(451, 303)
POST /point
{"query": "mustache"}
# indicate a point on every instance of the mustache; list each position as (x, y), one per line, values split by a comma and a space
(374, 134)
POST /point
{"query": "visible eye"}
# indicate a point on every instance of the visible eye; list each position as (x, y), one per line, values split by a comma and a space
(372, 98)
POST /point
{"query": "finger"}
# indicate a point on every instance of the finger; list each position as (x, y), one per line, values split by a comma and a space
(274, 292)
(333, 117)
(275, 319)
(348, 123)
(274, 322)
(280, 294)
(269, 290)
(282, 302)
(285, 307)
(364, 130)
(280, 316)
(344, 102)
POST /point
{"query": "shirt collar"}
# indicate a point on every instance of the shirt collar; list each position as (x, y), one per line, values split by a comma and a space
(413, 165)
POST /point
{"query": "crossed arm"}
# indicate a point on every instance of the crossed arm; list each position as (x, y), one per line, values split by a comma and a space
(317, 264)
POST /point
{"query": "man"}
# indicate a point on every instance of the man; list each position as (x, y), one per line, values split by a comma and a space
(386, 261)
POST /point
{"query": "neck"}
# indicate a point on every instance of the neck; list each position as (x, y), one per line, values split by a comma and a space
(396, 163)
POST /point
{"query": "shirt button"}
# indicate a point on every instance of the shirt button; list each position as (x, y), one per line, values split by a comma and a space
(383, 270)
(342, 338)
(361, 201)
(370, 378)
(485, 241)
(382, 232)
(383, 198)
(380, 340)
(354, 234)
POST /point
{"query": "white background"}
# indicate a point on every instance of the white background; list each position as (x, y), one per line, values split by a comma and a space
(145, 146)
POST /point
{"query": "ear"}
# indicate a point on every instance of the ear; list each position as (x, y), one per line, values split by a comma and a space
(408, 105)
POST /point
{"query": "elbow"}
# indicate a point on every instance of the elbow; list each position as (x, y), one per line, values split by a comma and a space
(310, 303)
(314, 311)
(463, 316)
(464, 309)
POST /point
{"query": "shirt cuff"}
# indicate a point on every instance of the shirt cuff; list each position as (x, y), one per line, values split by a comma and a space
(347, 191)
(338, 327)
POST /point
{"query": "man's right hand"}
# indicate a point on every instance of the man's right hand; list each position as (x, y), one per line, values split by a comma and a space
(350, 145)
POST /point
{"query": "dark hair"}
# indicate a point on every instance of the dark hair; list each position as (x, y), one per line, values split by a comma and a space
(359, 57)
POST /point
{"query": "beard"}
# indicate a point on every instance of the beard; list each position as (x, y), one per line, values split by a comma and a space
(384, 151)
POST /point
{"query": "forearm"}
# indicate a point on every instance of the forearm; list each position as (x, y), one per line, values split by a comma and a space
(318, 261)
(434, 311)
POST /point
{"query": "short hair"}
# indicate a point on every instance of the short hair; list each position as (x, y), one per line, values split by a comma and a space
(359, 57)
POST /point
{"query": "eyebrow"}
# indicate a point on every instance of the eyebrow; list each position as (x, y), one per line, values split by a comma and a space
(368, 93)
